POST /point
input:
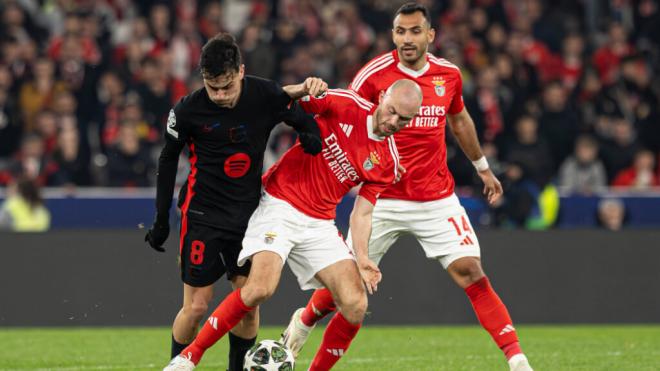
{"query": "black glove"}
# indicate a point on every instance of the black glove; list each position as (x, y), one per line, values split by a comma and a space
(157, 235)
(311, 143)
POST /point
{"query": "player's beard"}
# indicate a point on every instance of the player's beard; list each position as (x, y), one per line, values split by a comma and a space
(411, 54)
(387, 130)
(381, 128)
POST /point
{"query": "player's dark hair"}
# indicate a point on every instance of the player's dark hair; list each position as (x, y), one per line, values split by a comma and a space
(412, 8)
(219, 56)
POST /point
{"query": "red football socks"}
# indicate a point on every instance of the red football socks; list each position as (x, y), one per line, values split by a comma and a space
(320, 304)
(223, 319)
(493, 316)
(336, 340)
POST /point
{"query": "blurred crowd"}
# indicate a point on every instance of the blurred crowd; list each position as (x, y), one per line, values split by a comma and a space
(563, 93)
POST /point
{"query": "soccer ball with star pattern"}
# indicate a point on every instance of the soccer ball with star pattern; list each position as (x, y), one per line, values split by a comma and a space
(269, 355)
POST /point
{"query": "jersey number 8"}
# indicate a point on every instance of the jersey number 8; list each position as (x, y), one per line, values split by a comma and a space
(197, 252)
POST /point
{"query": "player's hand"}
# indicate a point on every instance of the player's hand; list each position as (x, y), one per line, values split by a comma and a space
(314, 86)
(400, 171)
(157, 235)
(492, 187)
(370, 274)
(311, 143)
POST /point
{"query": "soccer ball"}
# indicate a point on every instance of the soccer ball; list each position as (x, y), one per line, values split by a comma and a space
(268, 355)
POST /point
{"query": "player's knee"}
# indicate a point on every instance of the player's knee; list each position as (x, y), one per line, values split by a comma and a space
(468, 270)
(361, 306)
(473, 272)
(196, 310)
(256, 294)
(354, 306)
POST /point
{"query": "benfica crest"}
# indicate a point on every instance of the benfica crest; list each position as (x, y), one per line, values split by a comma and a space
(439, 83)
(270, 237)
(367, 164)
(371, 161)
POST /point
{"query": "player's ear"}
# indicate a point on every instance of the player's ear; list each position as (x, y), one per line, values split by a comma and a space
(241, 71)
(431, 35)
(380, 96)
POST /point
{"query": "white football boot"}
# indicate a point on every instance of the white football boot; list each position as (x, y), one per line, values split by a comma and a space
(296, 334)
(180, 363)
(519, 363)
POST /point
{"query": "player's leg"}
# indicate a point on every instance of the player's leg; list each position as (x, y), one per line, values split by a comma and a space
(466, 271)
(267, 243)
(489, 308)
(260, 285)
(296, 333)
(446, 234)
(386, 227)
(322, 258)
(244, 335)
(201, 267)
(186, 322)
(319, 305)
(344, 281)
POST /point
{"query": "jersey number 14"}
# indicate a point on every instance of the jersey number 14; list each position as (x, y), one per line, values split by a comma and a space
(464, 223)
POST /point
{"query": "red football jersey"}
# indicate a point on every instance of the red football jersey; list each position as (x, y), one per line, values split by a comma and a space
(421, 143)
(352, 154)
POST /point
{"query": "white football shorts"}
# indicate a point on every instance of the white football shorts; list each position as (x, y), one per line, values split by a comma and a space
(442, 228)
(308, 244)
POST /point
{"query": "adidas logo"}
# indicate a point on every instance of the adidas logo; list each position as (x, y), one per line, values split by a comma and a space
(335, 352)
(467, 241)
(508, 328)
(347, 128)
(214, 322)
(316, 311)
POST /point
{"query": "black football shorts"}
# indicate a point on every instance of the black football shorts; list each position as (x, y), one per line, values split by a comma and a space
(207, 253)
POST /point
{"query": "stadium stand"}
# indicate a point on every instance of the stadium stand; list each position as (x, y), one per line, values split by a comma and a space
(565, 95)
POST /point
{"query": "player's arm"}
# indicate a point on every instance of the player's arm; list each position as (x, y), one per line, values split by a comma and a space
(165, 181)
(462, 126)
(289, 111)
(360, 222)
(307, 128)
(313, 86)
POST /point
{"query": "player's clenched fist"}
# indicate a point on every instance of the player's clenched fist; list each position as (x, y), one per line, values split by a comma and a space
(157, 235)
(314, 86)
(311, 143)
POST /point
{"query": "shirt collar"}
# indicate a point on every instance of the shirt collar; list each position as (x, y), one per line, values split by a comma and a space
(413, 73)
(370, 130)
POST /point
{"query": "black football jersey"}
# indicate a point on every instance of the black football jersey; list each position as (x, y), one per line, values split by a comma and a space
(226, 152)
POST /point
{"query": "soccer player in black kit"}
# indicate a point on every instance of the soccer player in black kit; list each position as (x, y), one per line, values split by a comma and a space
(226, 126)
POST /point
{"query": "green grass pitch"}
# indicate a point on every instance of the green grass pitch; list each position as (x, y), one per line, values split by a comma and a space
(376, 348)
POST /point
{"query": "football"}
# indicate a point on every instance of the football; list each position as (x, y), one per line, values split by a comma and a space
(268, 355)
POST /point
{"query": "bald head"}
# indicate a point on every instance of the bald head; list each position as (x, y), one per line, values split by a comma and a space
(406, 92)
(398, 106)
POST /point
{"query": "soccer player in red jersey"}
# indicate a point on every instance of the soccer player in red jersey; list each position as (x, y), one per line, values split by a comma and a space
(423, 203)
(294, 221)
